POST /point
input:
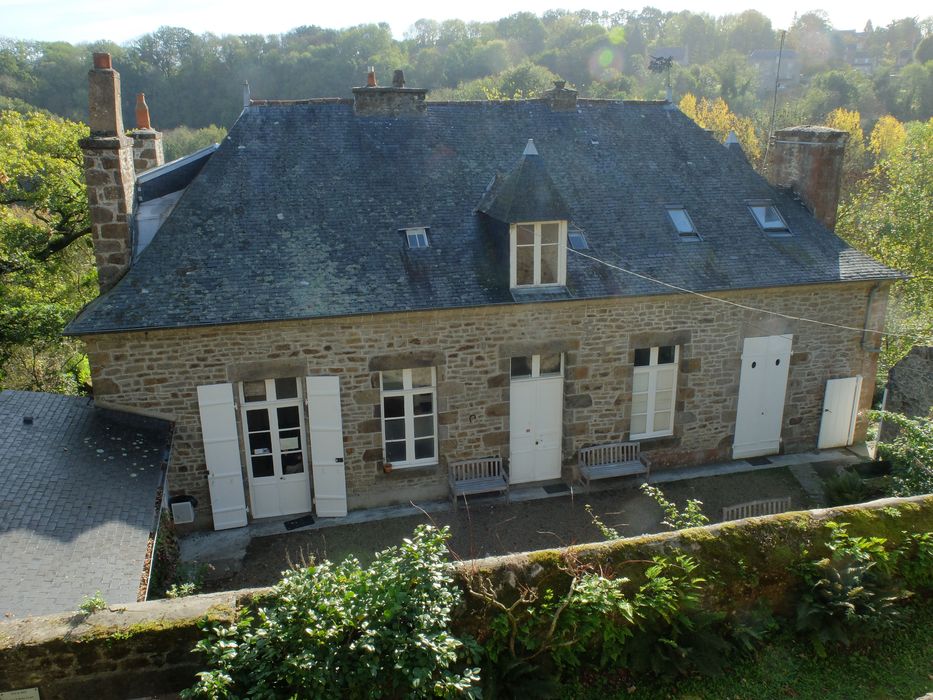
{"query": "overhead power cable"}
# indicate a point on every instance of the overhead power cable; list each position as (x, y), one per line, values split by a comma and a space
(684, 290)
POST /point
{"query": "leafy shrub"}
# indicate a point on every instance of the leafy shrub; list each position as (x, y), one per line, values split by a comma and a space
(850, 592)
(910, 454)
(92, 604)
(342, 631)
(916, 561)
(674, 518)
(845, 488)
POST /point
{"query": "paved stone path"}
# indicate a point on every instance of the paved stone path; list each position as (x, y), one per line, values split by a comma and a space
(810, 481)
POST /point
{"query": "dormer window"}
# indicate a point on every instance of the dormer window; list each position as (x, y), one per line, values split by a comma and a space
(538, 253)
(417, 237)
(683, 223)
(769, 218)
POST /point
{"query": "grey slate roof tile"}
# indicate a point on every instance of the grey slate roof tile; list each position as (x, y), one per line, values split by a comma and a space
(297, 214)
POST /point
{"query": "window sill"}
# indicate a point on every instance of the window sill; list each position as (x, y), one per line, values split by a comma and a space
(651, 436)
(413, 469)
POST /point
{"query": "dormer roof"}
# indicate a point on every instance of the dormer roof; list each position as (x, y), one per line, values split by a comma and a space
(526, 193)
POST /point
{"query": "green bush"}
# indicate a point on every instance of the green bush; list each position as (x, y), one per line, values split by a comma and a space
(342, 631)
(910, 454)
(845, 488)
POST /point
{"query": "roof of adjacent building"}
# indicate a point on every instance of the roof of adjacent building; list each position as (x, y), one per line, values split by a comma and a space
(300, 214)
(78, 499)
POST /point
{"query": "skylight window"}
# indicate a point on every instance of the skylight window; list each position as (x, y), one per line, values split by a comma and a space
(683, 223)
(577, 239)
(769, 218)
(417, 237)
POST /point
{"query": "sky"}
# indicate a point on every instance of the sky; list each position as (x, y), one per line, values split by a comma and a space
(88, 20)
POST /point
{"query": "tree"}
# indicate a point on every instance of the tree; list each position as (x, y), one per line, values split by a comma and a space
(184, 141)
(889, 217)
(46, 268)
(854, 161)
(716, 116)
(887, 136)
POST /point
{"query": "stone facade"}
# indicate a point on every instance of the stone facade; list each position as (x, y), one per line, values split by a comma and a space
(111, 181)
(808, 160)
(147, 149)
(910, 388)
(157, 372)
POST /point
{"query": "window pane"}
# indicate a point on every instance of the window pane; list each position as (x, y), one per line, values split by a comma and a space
(639, 424)
(665, 379)
(577, 240)
(521, 366)
(395, 451)
(524, 265)
(262, 466)
(550, 364)
(663, 399)
(423, 404)
(257, 420)
(422, 376)
(395, 429)
(639, 403)
(666, 354)
(289, 440)
(392, 379)
(260, 443)
(288, 417)
(681, 221)
(424, 449)
(424, 426)
(524, 234)
(549, 255)
(640, 382)
(662, 421)
(254, 391)
(549, 233)
(286, 388)
(642, 357)
(393, 406)
(292, 463)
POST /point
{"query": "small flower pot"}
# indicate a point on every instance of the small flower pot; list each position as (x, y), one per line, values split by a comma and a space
(386, 468)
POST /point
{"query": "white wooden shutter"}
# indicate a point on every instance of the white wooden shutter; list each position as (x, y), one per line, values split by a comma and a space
(327, 467)
(222, 454)
(840, 411)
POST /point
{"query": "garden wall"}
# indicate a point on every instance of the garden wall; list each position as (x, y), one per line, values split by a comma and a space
(145, 648)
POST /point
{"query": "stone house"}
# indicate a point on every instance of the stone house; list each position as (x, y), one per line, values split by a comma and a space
(349, 294)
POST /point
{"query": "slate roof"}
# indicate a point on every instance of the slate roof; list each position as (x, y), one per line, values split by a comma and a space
(298, 215)
(78, 491)
(527, 193)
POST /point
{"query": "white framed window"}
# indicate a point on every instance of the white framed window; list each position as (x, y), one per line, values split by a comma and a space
(654, 391)
(535, 366)
(683, 223)
(769, 218)
(409, 416)
(273, 427)
(417, 237)
(538, 253)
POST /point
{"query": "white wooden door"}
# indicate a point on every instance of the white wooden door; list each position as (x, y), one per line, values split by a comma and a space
(762, 388)
(222, 455)
(327, 466)
(276, 447)
(840, 409)
(536, 418)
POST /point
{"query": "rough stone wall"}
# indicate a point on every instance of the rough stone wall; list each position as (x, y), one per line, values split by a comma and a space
(389, 101)
(142, 649)
(157, 372)
(110, 175)
(147, 149)
(910, 388)
(808, 159)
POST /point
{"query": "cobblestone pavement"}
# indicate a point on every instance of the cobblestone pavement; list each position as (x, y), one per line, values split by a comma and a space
(78, 488)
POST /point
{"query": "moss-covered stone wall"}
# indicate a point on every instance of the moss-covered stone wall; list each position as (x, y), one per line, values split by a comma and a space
(144, 649)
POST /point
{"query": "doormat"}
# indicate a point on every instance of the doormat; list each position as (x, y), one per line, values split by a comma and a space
(556, 488)
(758, 461)
(299, 522)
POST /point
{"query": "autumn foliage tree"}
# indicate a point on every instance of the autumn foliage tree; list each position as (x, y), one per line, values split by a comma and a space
(716, 116)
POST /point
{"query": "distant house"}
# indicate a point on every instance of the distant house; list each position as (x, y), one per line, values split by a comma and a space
(348, 285)
(766, 61)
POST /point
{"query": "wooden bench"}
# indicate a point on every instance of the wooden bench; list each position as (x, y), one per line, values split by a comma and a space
(609, 461)
(473, 476)
(752, 509)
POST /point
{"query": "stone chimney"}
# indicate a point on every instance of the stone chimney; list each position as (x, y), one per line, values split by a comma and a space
(808, 160)
(147, 142)
(110, 175)
(394, 101)
(561, 98)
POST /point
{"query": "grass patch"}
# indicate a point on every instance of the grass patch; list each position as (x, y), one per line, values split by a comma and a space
(894, 666)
